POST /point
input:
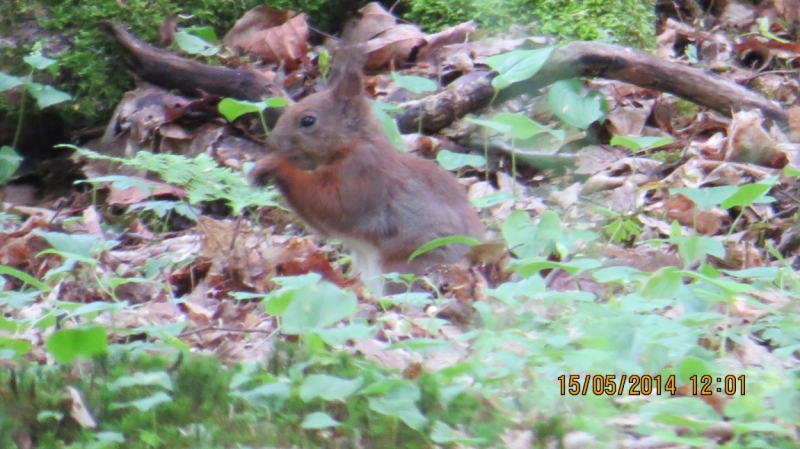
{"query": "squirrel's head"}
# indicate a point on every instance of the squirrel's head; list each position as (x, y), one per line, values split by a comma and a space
(317, 129)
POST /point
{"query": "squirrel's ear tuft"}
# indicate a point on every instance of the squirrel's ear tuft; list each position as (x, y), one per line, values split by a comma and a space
(348, 62)
(347, 85)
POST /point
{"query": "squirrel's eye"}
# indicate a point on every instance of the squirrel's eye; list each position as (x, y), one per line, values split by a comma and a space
(307, 121)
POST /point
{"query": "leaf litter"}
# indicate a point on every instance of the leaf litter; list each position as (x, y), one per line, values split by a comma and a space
(204, 261)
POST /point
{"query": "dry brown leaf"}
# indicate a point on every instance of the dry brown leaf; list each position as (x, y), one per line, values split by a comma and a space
(77, 408)
(140, 292)
(789, 9)
(134, 195)
(435, 42)
(197, 313)
(91, 222)
(626, 170)
(749, 142)
(643, 257)
(518, 439)
(594, 158)
(739, 254)
(706, 222)
(393, 46)
(257, 19)
(374, 21)
(794, 124)
(287, 43)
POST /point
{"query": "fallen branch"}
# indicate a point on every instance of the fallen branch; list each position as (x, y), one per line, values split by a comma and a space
(167, 70)
(593, 59)
(576, 59)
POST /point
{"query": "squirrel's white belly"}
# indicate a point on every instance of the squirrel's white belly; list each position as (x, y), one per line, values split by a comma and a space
(367, 263)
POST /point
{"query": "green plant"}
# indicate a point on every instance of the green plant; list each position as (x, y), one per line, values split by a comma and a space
(517, 126)
(98, 83)
(201, 176)
(233, 109)
(324, 64)
(190, 42)
(417, 85)
(629, 21)
(728, 197)
(44, 95)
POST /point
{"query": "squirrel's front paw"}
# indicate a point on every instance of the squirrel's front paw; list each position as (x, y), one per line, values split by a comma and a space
(264, 170)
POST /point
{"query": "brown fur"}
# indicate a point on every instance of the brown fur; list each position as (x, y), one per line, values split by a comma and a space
(344, 178)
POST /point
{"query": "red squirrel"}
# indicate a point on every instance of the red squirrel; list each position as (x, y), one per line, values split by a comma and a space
(332, 161)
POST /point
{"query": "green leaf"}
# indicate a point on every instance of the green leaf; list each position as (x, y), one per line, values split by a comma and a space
(663, 284)
(692, 366)
(24, 277)
(93, 308)
(316, 307)
(492, 124)
(416, 84)
(270, 396)
(388, 124)
(121, 182)
(47, 95)
(529, 266)
(151, 439)
(527, 240)
(567, 101)
(37, 61)
(340, 335)
(206, 33)
(67, 344)
(232, 109)
(276, 302)
(453, 161)
(81, 245)
(442, 241)
(788, 171)
(749, 194)
(523, 127)
(707, 197)
(620, 274)
(328, 388)
(399, 402)
(109, 437)
(517, 65)
(319, 420)
(696, 247)
(158, 378)
(443, 434)
(194, 45)
(759, 273)
(324, 63)
(9, 81)
(636, 143)
(47, 415)
(492, 199)
(144, 404)
(18, 346)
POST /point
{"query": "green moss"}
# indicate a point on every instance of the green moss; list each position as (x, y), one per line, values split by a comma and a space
(630, 22)
(92, 70)
(686, 108)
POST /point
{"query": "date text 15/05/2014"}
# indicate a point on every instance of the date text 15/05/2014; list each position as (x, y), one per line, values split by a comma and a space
(634, 385)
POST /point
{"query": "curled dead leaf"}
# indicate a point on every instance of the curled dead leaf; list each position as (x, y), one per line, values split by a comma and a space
(287, 42)
(77, 408)
(749, 142)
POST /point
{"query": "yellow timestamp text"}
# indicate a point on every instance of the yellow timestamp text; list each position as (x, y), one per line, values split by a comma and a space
(631, 385)
(706, 385)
